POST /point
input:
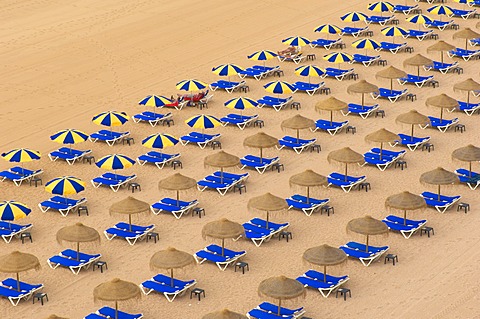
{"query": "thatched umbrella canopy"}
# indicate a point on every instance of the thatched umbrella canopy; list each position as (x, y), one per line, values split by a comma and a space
(330, 105)
(469, 85)
(441, 46)
(116, 290)
(223, 229)
(268, 203)
(177, 182)
(363, 87)
(130, 206)
(78, 233)
(466, 34)
(417, 60)
(442, 101)
(367, 226)
(439, 177)
(260, 141)
(469, 153)
(222, 160)
(382, 136)
(17, 262)
(413, 118)
(224, 314)
(405, 201)
(391, 73)
(298, 123)
(325, 255)
(347, 156)
(281, 288)
(170, 259)
(308, 179)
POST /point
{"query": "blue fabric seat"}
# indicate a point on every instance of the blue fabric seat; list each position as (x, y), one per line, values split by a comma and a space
(110, 312)
(366, 60)
(392, 47)
(419, 81)
(441, 67)
(262, 314)
(309, 88)
(157, 158)
(202, 140)
(472, 179)
(440, 25)
(269, 307)
(347, 183)
(391, 95)
(298, 145)
(260, 164)
(442, 124)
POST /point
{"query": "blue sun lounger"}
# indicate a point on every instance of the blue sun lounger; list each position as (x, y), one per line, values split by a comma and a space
(392, 47)
(440, 67)
(355, 32)
(163, 284)
(381, 20)
(157, 158)
(331, 127)
(68, 259)
(419, 34)
(407, 229)
(314, 279)
(374, 159)
(222, 185)
(276, 103)
(212, 254)
(151, 117)
(472, 179)
(13, 295)
(275, 227)
(170, 205)
(405, 9)
(347, 184)
(357, 251)
(109, 137)
(366, 60)
(474, 42)
(442, 124)
(441, 204)
(258, 234)
(255, 73)
(389, 153)
(440, 25)
(131, 233)
(110, 313)
(298, 145)
(269, 307)
(201, 139)
(295, 58)
(464, 54)
(114, 181)
(69, 155)
(260, 164)
(464, 14)
(62, 204)
(339, 74)
(392, 95)
(262, 314)
(309, 88)
(24, 287)
(326, 43)
(411, 142)
(419, 81)
(17, 175)
(241, 121)
(236, 177)
(363, 111)
(228, 86)
(468, 108)
(9, 230)
(308, 206)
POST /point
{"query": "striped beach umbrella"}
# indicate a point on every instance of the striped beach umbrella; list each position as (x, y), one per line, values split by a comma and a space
(296, 41)
(380, 6)
(279, 87)
(263, 55)
(241, 103)
(309, 70)
(469, 2)
(69, 136)
(11, 210)
(366, 44)
(227, 70)
(203, 122)
(21, 155)
(419, 19)
(190, 85)
(110, 118)
(441, 10)
(338, 57)
(155, 101)
(354, 17)
(65, 185)
(328, 29)
(394, 32)
(159, 141)
(115, 161)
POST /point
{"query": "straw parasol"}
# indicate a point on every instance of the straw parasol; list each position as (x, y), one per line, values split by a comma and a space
(224, 314)
(171, 259)
(405, 201)
(417, 60)
(308, 179)
(440, 46)
(221, 160)
(78, 233)
(363, 87)
(298, 123)
(439, 177)
(177, 182)
(347, 156)
(468, 85)
(129, 206)
(466, 34)
(116, 290)
(267, 203)
(469, 153)
(331, 104)
(413, 118)
(324, 255)
(367, 226)
(442, 101)
(17, 262)
(391, 73)
(222, 229)
(260, 141)
(281, 288)
(382, 136)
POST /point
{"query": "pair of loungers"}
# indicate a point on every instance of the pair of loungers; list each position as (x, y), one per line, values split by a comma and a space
(411, 142)
(339, 74)
(441, 67)
(163, 285)
(381, 20)
(441, 124)
(267, 310)
(260, 164)
(259, 230)
(109, 137)
(68, 154)
(241, 121)
(157, 158)
(297, 144)
(258, 72)
(326, 43)
(62, 204)
(346, 183)
(366, 60)
(406, 227)
(316, 280)
(472, 179)
(221, 181)
(464, 54)
(418, 80)
(359, 251)
(419, 34)
(114, 181)
(362, 110)
(274, 102)
(331, 127)
(151, 117)
(392, 95)
(405, 9)
(468, 108)
(10, 230)
(19, 174)
(201, 139)
(131, 233)
(382, 158)
(176, 208)
(441, 203)
(309, 88)
(109, 313)
(392, 47)
(213, 253)
(75, 261)
(9, 290)
(307, 205)
(228, 86)
(439, 24)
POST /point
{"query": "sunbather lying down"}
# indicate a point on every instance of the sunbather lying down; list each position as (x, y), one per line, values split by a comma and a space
(291, 50)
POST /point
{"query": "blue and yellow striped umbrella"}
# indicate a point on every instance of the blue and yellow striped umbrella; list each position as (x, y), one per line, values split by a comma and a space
(419, 19)
(69, 136)
(296, 41)
(241, 103)
(394, 31)
(262, 55)
(279, 87)
(227, 70)
(328, 28)
(190, 85)
(354, 17)
(203, 121)
(464, 1)
(21, 155)
(309, 70)
(110, 118)
(65, 185)
(338, 57)
(441, 10)
(380, 6)
(159, 141)
(155, 101)
(11, 210)
(115, 161)
(366, 44)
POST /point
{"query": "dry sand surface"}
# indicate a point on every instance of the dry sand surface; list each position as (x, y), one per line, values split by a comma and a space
(62, 62)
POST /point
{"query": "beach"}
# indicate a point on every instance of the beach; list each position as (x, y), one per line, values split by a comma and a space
(62, 63)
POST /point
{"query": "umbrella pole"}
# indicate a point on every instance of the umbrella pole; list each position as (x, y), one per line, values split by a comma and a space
(18, 281)
(441, 115)
(268, 216)
(470, 169)
(178, 198)
(438, 192)
(468, 98)
(466, 41)
(441, 56)
(411, 139)
(298, 136)
(171, 277)
(130, 221)
(405, 217)
(346, 170)
(223, 247)
(261, 154)
(391, 85)
(331, 117)
(78, 250)
(116, 309)
(308, 195)
(363, 100)
(381, 150)
(366, 245)
(279, 306)
(418, 70)
(324, 273)
(221, 174)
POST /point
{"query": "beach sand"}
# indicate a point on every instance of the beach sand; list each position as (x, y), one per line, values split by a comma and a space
(64, 62)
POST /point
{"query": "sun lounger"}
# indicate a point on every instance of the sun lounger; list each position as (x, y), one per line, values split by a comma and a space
(163, 285)
(474, 42)
(331, 127)
(62, 204)
(114, 181)
(441, 67)
(276, 103)
(339, 74)
(381, 20)
(109, 137)
(30, 289)
(442, 124)
(255, 72)
(392, 95)
(241, 121)
(315, 280)
(13, 295)
(411, 142)
(157, 158)
(326, 43)
(222, 185)
(261, 165)
(18, 174)
(68, 154)
(356, 251)
(464, 54)
(355, 32)
(419, 81)
(258, 234)
(151, 117)
(309, 88)
(441, 204)
(170, 205)
(202, 140)
(295, 58)
(363, 247)
(392, 47)
(419, 34)
(468, 108)
(381, 163)
(338, 180)
(236, 177)
(10, 230)
(464, 14)
(364, 111)
(440, 25)
(215, 256)
(275, 227)
(228, 86)
(406, 229)
(404, 8)
(366, 60)
(122, 230)
(298, 145)
(261, 314)
(110, 313)
(307, 206)
(269, 307)
(472, 179)
(389, 153)
(69, 259)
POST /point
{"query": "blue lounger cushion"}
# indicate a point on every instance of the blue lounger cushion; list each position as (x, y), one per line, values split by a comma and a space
(12, 226)
(73, 254)
(24, 287)
(437, 122)
(391, 46)
(226, 252)
(210, 256)
(271, 226)
(266, 306)
(319, 275)
(110, 312)
(316, 283)
(363, 247)
(261, 314)
(161, 287)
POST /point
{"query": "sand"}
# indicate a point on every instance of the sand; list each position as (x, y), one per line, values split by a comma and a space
(63, 62)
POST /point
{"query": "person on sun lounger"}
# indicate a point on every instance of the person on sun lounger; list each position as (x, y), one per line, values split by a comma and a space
(288, 52)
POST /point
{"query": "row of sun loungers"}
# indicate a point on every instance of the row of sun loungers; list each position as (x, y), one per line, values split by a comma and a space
(268, 310)
(9, 286)
(411, 142)
(442, 124)
(359, 251)
(443, 68)
(405, 9)
(108, 313)
(131, 233)
(213, 253)
(419, 34)
(260, 164)
(326, 43)
(316, 280)
(10, 230)
(62, 204)
(295, 58)
(406, 227)
(307, 205)
(176, 208)
(297, 144)
(275, 102)
(72, 260)
(163, 284)
(256, 230)
(392, 47)
(441, 203)
(157, 158)
(386, 159)
(468, 108)
(366, 60)
(18, 175)
(464, 54)
(221, 181)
